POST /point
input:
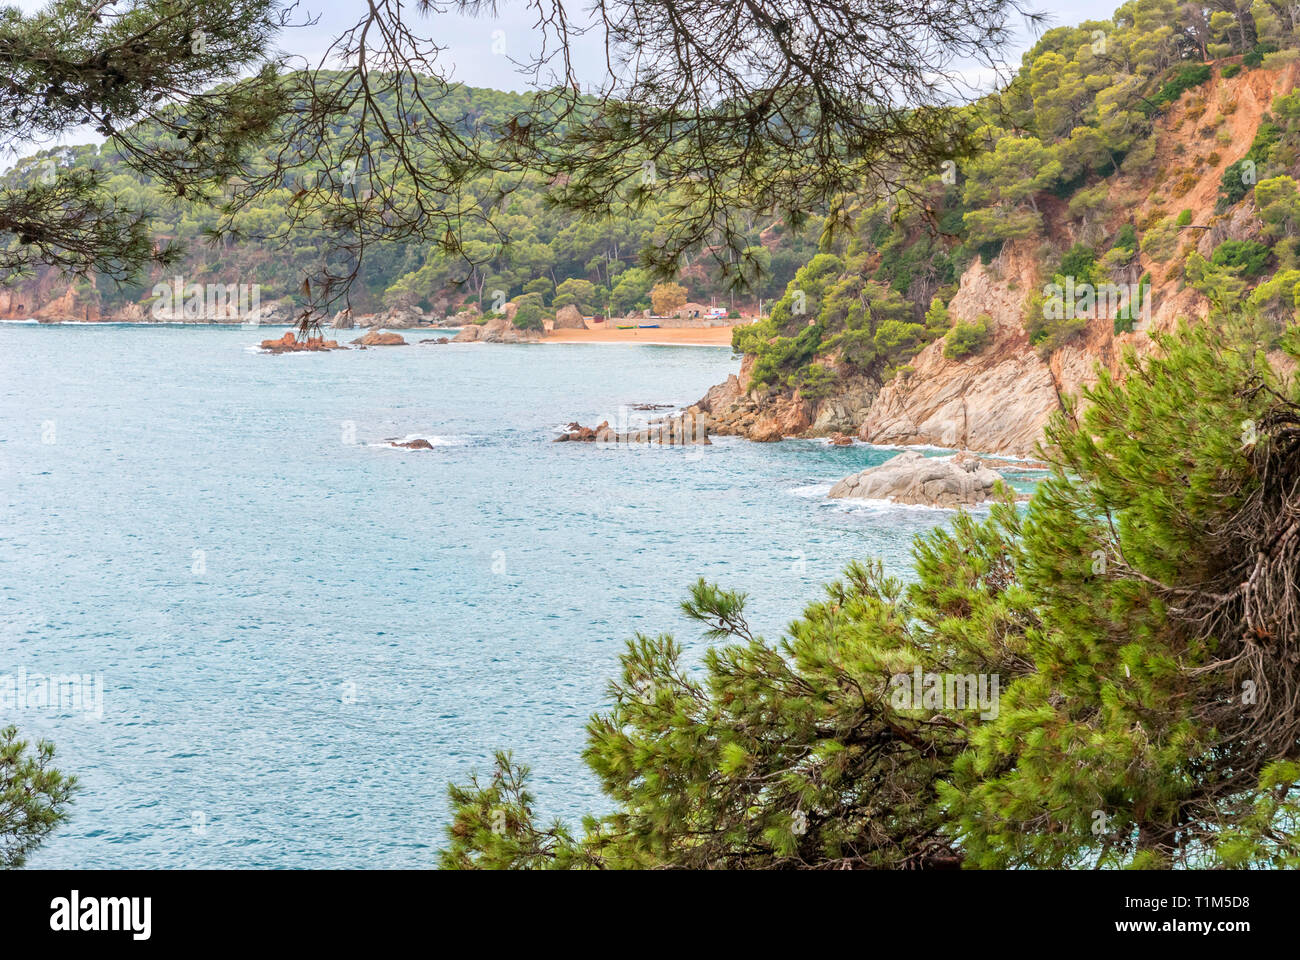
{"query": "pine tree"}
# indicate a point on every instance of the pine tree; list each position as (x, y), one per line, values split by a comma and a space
(33, 797)
(1140, 617)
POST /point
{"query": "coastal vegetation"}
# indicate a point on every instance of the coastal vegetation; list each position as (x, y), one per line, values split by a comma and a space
(374, 172)
(560, 257)
(34, 797)
(1080, 117)
(1135, 626)
(1123, 644)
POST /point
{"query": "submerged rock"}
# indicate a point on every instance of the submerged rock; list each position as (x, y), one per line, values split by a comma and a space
(914, 478)
(419, 443)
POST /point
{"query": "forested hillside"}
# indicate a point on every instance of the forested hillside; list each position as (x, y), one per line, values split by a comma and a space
(539, 247)
(1154, 153)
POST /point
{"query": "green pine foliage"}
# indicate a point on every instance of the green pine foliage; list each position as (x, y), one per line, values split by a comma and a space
(1138, 739)
(531, 238)
(967, 338)
(34, 796)
(1246, 258)
(1184, 79)
(1136, 612)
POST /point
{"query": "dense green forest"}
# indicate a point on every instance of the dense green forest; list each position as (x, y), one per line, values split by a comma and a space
(538, 248)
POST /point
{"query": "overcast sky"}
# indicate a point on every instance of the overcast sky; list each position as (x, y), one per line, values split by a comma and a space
(473, 44)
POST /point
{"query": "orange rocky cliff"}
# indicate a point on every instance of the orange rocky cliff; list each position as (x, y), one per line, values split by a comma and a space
(998, 399)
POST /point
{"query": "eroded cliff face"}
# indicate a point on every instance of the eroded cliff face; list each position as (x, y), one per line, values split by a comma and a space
(998, 399)
(774, 414)
(50, 298)
(994, 401)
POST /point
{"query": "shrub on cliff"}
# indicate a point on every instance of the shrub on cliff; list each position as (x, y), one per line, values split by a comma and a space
(967, 338)
(1240, 177)
(1139, 621)
(1183, 79)
(1126, 317)
(1246, 258)
(816, 381)
(937, 320)
(1047, 322)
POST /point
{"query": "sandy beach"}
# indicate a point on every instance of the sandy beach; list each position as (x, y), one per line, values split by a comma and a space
(664, 336)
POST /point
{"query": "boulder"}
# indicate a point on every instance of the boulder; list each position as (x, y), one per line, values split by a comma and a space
(469, 334)
(401, 317)
(467, 315)
(343, 320)
(569, 318)
(271, 314)
(914, 478)
(766, 430)
(514, 335)
(502, 329)
(377, 338)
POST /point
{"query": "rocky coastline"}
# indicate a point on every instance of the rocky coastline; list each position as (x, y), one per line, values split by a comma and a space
(688, 428)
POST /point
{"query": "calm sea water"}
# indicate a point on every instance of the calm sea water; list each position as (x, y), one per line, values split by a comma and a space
(302, 634)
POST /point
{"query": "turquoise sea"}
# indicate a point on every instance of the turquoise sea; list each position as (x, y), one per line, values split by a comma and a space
(301, 635)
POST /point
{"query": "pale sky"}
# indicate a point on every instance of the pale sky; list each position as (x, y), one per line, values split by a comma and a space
(472, 43)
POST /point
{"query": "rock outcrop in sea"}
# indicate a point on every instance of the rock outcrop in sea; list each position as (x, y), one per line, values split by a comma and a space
(772, 415)
(377, 338)
(686, 429)
(913, 478)
(290, 343)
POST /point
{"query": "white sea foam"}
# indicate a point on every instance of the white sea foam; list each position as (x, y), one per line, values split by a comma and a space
(911, 446)
(856, 505)
(812, 491)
